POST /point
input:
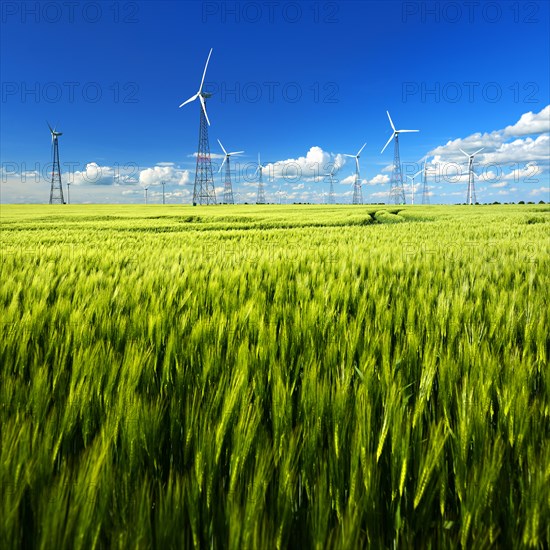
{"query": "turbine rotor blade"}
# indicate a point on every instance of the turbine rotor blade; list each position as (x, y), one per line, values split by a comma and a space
(190, 99)
(235, 153)
(351, 156)
(391, 137)
(361, 149)
(204, 108)
(403, 131)
(224, 159)
(222, 147)
(478, 151)
(464, 153)
(204, 73)
(391, 121)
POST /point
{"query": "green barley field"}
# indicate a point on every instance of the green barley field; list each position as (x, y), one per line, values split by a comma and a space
(274, 377)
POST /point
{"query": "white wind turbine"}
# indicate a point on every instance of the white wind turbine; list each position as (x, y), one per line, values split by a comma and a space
(412, 180)
(396, 182)
(260, 199)
(471, 195)
(357, 191)
(228, 188)
(331, 176)
(200, 94)
(395, 133)
(425, 193)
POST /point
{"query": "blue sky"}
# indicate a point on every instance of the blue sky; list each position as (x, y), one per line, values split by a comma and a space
(302, 83)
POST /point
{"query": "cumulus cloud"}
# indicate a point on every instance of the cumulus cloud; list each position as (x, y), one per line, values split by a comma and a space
(520, 150)
(527, 174)
(93, 174)
(519, 153)
(170, 174)
(349, 180)
(530, 124)
(316, 163)
(379, 179)
(497, 147)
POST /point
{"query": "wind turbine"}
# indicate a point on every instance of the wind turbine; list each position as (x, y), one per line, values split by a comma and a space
(145, 189)
(357, 191)
(396, 182)
(280, 193)
(228, 189)
(200, 94)
(261, 191)
(471, 195)
(56, 189)
(412, 179)
(203, 191)
(331, 176)
(425, 193)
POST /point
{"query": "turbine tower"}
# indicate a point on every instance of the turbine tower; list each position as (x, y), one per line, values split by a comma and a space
(163, 183)
(357, 190)
(425, 193)
(145, 189)
(412, 183)
(396, 183)
(228, 189)
(56, 189)
(471, 195)
(203, 191)
(260, 199)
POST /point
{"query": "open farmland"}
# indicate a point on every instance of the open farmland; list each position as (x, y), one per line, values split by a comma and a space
(262, 377)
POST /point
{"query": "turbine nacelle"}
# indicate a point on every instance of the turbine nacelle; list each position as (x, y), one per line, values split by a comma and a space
(356, 157)
(227, 155)
(471, 156)
(395, 133)
(53, 132)
(260, 166)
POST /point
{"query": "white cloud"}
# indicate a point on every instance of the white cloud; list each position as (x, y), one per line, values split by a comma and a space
(315, 163)
(541, 191)
(530, 123)
(497, 149)
(93, 174)
(515, 154)
(527, 173)
(349, 180)
(520, 150)
(169, 174)
(379, 179)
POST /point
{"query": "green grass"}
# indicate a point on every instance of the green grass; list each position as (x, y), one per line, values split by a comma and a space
(278, 376)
